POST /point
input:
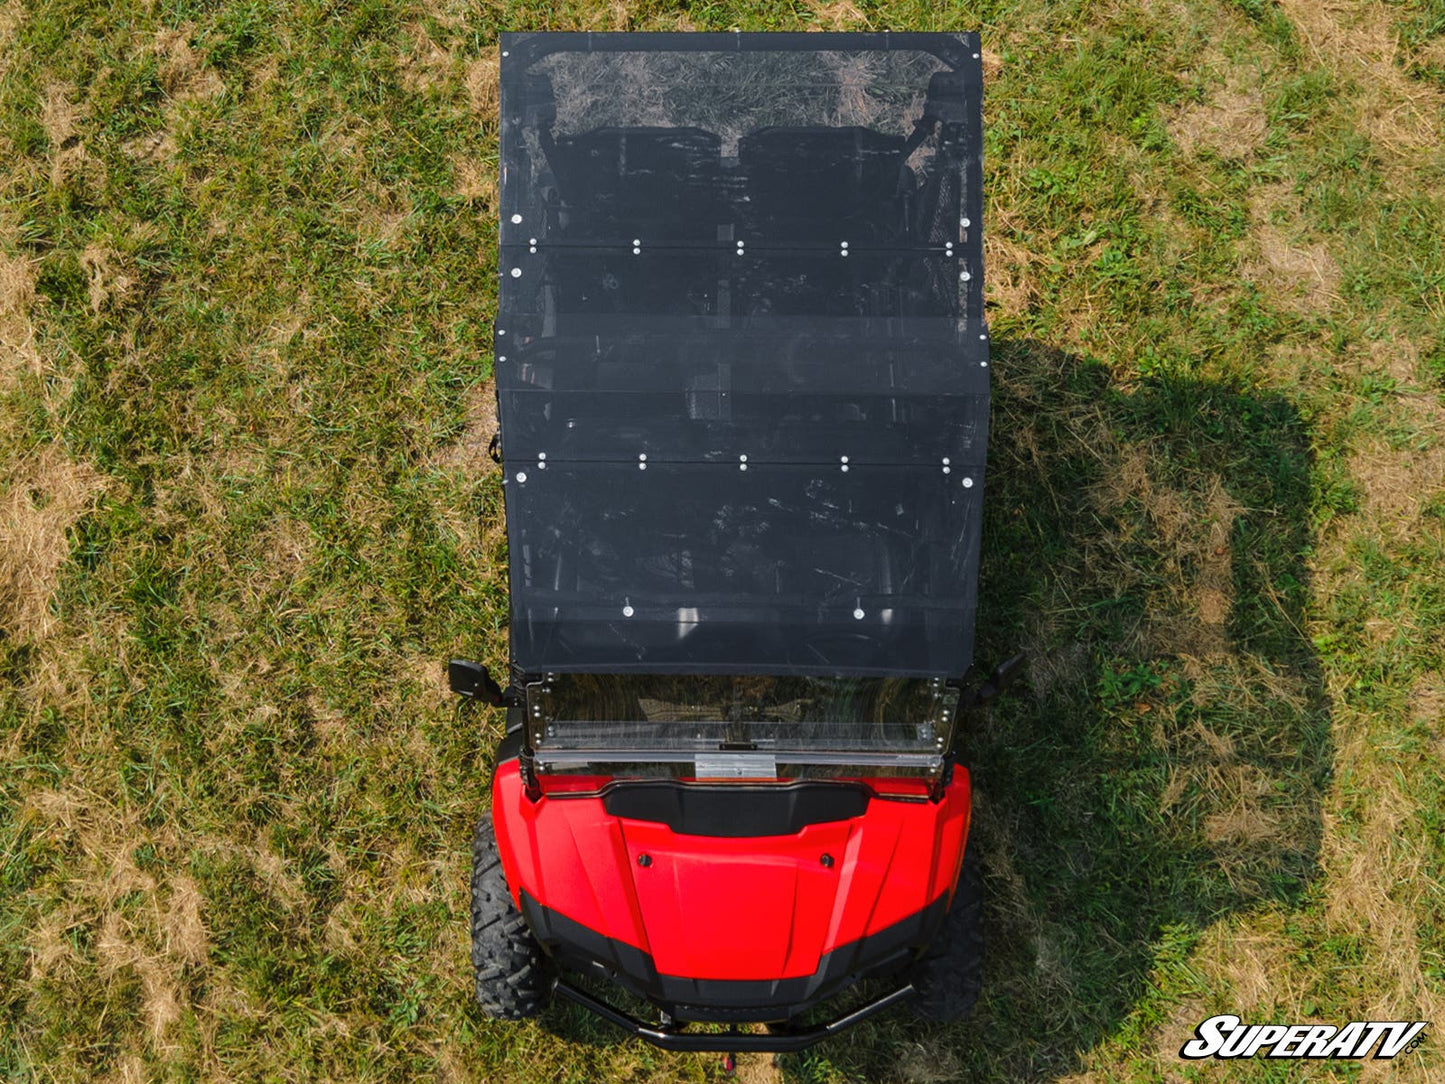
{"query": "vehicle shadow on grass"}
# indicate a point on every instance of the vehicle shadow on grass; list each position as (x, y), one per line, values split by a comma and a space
(1163, 766)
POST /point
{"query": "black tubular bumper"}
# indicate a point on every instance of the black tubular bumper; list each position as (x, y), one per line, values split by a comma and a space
(782, 1041)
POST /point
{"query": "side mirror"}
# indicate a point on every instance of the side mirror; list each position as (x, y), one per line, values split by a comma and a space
(1002, 677)
(472, 680)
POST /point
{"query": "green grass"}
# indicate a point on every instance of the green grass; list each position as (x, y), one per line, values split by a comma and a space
(247, 278)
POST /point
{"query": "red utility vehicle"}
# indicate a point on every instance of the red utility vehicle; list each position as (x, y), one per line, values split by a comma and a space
(742, 378)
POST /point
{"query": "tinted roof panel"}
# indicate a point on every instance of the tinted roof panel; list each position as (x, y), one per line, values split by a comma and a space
(741, 363)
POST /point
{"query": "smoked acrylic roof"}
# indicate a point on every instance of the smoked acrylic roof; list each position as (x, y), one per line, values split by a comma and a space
(741, 361)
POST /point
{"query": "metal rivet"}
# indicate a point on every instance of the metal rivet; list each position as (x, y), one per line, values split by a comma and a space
(516, 220)
(827, 861)
(968, 483)
(501, 331)
(947, 470)
(857, 616)
(975, 55)
(844, 468)
(541, 465)
(946, 461)
(983, 365)
(521, 476)
(644, 860)
(516, 272)
(965, 223)
(642, 466)
(843, 253)
(964, 276)
(742, 466)
(983, 336)
(627, 611)
(637, 252)
(531, 240)
(543, 455)
(843, 459)
(743, 458)
(501, 357)
(843, 243)
(637, 240)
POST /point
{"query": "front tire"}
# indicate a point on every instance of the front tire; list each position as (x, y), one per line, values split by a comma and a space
(949, 974)
(513, 974)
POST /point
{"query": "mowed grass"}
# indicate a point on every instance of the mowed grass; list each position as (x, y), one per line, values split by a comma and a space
(246, 286)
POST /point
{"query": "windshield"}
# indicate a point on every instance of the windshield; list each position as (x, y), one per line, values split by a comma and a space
(578, 718)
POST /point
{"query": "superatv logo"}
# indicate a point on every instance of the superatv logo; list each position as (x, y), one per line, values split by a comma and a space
(1229, 1037)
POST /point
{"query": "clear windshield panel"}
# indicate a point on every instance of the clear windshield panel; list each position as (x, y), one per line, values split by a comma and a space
(681, 717)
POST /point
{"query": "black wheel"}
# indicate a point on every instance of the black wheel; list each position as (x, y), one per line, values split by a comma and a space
(949, 974)
(514, 976)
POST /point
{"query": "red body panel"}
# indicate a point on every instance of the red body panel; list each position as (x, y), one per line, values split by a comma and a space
(730, 908)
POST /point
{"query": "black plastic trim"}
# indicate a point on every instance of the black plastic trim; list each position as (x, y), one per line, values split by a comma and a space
(511, 746)
(734, 810)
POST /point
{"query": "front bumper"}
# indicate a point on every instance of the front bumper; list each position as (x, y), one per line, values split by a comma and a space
(782, 1040)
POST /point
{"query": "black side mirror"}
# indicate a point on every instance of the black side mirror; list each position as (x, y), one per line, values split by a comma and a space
(1002, 677)
(472, 680)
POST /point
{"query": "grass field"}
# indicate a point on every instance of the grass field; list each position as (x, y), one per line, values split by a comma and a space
(246, 284)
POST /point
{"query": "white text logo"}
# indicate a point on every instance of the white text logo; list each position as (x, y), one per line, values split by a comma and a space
(1229, 1037)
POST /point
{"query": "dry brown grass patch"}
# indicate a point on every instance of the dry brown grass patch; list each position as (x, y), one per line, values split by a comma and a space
(758, 1069)
(119, 950)
(1251, 958)
(469, 454)
(156, 941)
(111, 277)
(12, 14)
(1397, 358)
(1232, 123)
(929, 1063)
(186, 937)
(839, 15)
(1394, 483)
(17, 336)
(428, 65)
(1375, 883)
(156, 147)
(1427, 700)
(47, 492)
(1251, 963)
(1300, 277)
(476, 182)
(1011, 282)
(1357, 40)
(58, 114)
(71, 165)
(483, 85)
(181, 73)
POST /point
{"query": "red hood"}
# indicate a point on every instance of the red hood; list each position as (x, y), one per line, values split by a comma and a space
(709, 907)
